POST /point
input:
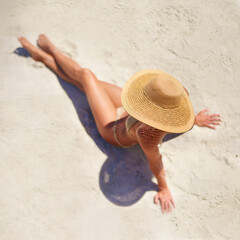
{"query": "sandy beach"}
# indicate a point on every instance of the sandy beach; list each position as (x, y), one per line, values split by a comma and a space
(60, 180)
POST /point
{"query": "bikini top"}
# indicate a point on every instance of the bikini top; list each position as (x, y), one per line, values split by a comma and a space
(130, 121)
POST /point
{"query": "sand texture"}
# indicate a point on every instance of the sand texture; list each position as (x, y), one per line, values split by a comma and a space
(60, 180)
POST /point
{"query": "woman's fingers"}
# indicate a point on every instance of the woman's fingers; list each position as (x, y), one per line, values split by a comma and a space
(205, 110)
(166, 203)
(215, 123)
(156, 200)
(212, 121)
(215, 115)
(208, 125)
(162, 207)
(215, 119)
(172, 203)
(166, 206)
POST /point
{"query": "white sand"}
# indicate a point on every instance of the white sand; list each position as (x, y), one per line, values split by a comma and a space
(50, 166)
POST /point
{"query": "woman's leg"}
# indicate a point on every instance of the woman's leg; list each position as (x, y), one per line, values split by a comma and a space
(73, 69)
(102, 106)
(70, 67)
(39, 55)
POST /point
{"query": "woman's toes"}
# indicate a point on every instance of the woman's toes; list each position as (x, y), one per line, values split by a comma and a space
(45, 43)
(19, 38)
(42, 39)
(23, 41)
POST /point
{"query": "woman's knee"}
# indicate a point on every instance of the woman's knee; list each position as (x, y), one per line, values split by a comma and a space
(85, 75)
(106, 132)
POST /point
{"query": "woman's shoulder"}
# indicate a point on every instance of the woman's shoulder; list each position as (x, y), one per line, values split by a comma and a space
(148, 135)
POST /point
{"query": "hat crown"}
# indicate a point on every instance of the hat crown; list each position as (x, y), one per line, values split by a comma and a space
(164, 91)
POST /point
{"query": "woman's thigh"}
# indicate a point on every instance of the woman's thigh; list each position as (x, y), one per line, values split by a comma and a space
(101, 101)
(114, 92)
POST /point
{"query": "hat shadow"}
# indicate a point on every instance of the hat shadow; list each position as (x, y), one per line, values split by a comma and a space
(125, 175)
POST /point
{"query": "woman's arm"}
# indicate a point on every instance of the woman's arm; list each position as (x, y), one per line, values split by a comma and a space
(149, 138)
(156, 165)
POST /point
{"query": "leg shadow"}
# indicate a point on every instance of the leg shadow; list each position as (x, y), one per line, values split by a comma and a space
(22, 52)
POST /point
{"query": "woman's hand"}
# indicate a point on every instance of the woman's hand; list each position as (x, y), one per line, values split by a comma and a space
(202, 119)
(165, 198)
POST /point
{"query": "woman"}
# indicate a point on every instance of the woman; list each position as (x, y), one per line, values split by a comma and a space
(155, 104)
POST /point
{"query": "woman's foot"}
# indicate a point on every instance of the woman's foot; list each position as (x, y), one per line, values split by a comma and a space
(36, 53)
(46, 44)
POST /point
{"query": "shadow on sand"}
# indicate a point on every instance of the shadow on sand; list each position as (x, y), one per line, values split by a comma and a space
(125, 175)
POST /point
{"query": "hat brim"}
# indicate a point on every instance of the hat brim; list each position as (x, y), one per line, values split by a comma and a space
(139, 106)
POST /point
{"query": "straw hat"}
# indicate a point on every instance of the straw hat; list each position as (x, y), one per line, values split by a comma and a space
(159, 100)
